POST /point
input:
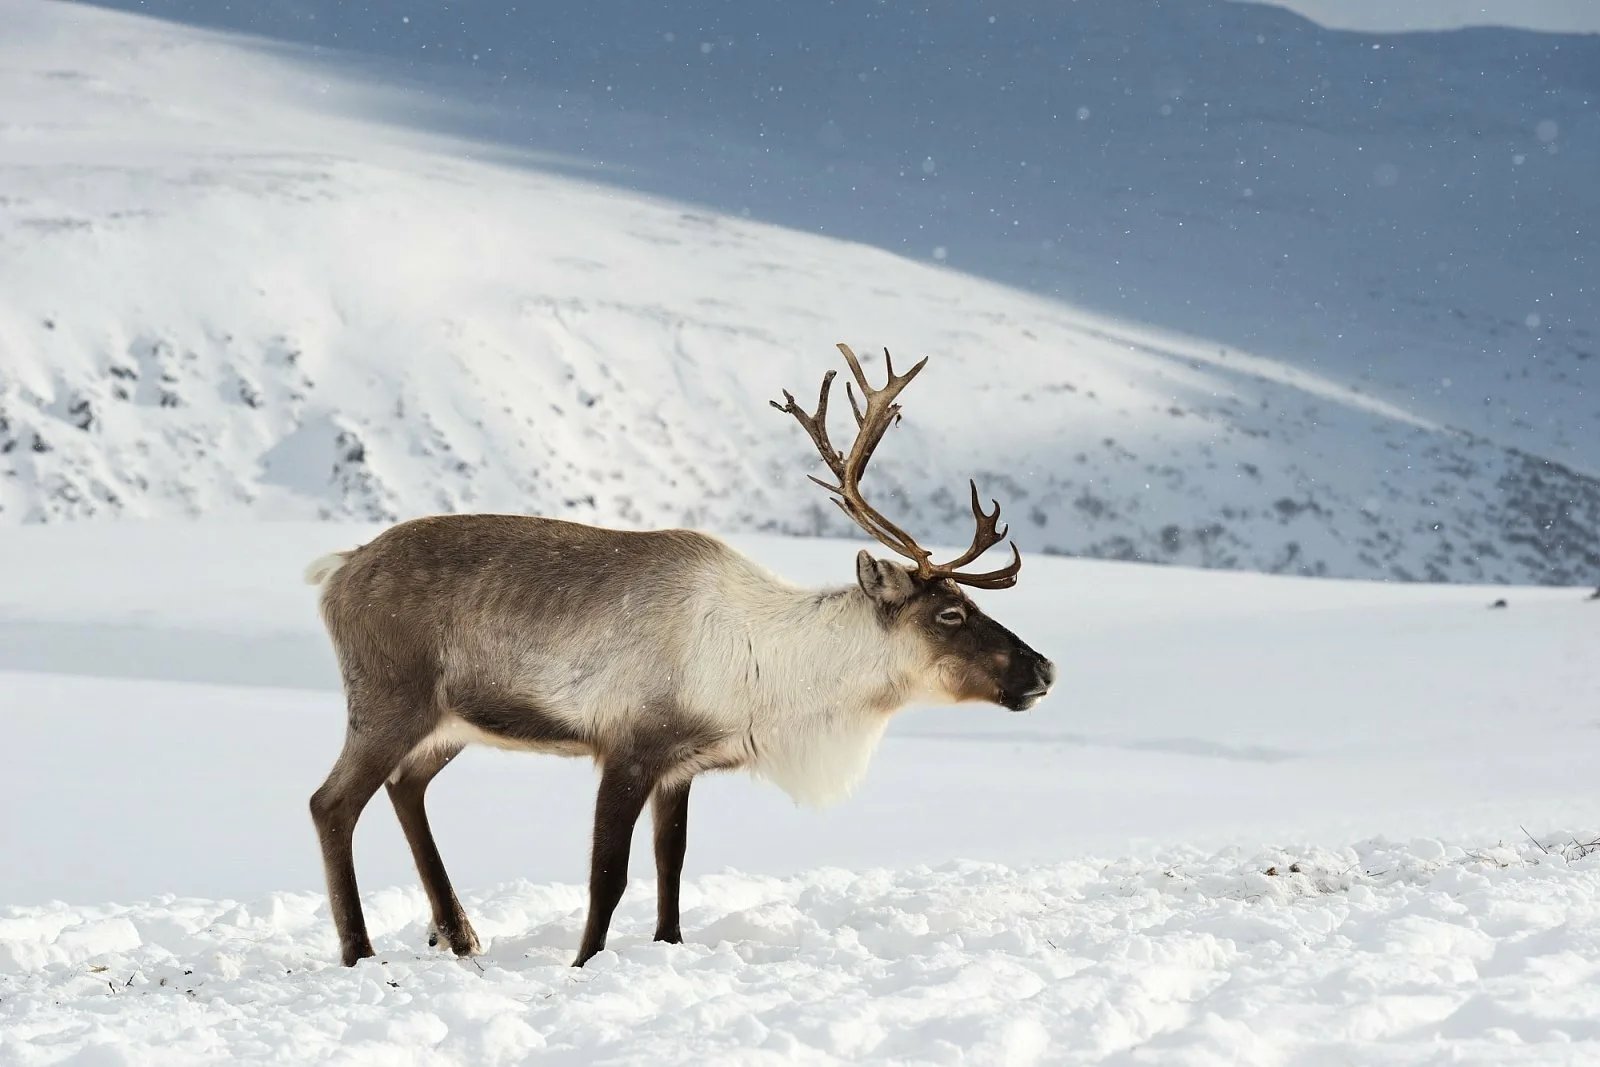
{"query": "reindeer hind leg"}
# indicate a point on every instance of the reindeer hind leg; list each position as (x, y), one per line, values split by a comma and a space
(407, 789)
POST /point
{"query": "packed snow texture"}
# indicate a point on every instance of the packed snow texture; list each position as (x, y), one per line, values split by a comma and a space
(1379, 954)
(1261, 820)
(1224, 289)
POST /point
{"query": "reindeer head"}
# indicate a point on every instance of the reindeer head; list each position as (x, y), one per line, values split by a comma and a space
(957, 652)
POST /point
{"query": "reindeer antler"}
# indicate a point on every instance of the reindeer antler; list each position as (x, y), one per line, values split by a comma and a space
(881, 412)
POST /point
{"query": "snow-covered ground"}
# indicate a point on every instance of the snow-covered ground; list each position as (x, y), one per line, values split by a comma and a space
(1199, 282)
(1379, 954)
(1109, 878)
(1255, 296)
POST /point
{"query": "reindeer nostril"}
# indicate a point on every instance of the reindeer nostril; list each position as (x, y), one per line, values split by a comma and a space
(1047, 672)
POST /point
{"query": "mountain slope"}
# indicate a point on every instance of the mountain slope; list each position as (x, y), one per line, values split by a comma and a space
(250, 280)
(1410, 213)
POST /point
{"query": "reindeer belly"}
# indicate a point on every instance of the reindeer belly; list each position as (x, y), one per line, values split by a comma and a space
(504, 716)
(454, 732)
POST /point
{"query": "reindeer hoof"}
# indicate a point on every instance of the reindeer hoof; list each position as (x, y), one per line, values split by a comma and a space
(354, 954)
(466, 944)
(462, 940)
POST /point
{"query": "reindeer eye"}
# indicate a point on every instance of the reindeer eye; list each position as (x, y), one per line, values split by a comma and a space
(952, 617)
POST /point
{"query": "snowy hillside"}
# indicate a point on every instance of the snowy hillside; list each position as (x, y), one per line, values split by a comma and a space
(274, 280)
(1260, 821)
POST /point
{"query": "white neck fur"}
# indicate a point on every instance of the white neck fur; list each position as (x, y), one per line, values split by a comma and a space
(814, 677)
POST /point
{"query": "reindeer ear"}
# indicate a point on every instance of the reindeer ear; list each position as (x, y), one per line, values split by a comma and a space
(885, 583)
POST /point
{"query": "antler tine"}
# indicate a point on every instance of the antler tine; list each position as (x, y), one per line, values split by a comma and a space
(988, 534)
(989, 530)
(861, 380)
(895, 383)
(881, 412)
(861, 419)
(855, 367)
(1003, 578)
(817, 427)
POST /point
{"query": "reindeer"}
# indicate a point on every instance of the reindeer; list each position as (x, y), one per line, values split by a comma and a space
(660, 655)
